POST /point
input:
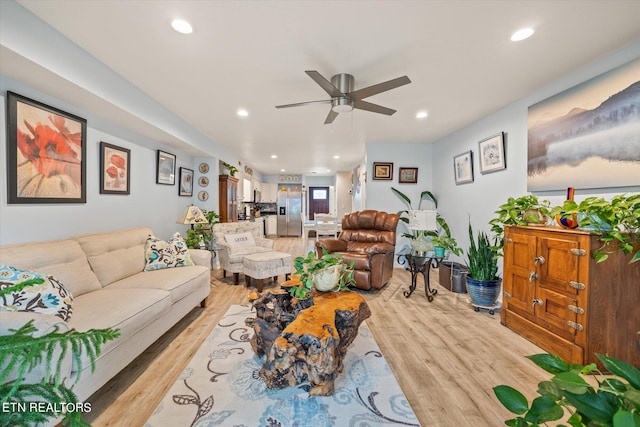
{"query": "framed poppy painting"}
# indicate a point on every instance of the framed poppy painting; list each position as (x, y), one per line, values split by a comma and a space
(115, 170)
(46, 153)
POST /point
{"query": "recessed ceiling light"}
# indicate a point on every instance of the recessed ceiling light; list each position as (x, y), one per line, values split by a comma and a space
(328, 170)
(421, 114)
(182, 26)
(273, 156)
(243, 113)
(336, 157)
(521, 34)
(281, 170)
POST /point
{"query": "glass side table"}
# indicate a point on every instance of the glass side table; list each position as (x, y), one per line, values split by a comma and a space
(416, 265)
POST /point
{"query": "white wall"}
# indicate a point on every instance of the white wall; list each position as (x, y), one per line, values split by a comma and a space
(378, 192)
(344, 189)
(149, 204)
(479, 200)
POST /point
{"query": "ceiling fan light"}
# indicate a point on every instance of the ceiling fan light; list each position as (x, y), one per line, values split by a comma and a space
(341, 105)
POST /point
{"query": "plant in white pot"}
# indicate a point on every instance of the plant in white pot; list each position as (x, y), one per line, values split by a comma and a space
(327, 273)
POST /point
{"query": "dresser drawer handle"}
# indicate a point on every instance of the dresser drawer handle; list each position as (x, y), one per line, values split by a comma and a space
(575, 309)
(574, 325)
(578, 252)
(576, 285)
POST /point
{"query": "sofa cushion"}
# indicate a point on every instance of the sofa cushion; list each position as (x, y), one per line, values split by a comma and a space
(49, 297)
(115, 255)
(179, 282)
(128, 310)
(63, 259)
(240, 239)
(160, 254)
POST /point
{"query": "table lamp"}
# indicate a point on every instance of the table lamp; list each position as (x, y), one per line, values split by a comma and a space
(422, 221)
(192, 215)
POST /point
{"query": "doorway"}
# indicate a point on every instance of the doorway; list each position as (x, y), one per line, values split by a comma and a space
(318, 201)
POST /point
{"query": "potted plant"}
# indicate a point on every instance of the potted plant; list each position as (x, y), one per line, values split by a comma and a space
(327, 273)
(615, 401)
(21, 352)
(202, 231)
(523, 210)
(230, 169)
(616, 221)
(446, 243)
(482, 283)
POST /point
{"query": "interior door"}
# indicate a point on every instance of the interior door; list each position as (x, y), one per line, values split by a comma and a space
(318, 200)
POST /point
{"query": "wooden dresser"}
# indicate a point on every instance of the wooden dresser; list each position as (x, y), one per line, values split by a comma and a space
(228, 198)
(558, 297)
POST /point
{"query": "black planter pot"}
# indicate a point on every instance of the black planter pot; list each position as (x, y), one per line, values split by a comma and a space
(483, 292)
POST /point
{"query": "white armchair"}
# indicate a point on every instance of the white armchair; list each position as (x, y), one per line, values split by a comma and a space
(234, 241)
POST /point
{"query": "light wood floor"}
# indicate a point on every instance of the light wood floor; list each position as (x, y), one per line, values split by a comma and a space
(445, 356)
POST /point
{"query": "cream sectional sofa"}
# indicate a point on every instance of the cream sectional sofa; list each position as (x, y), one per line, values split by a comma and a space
(104, 273)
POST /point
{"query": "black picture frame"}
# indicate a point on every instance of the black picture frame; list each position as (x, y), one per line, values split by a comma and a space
(383, 171)
(185, 187)
(165, 168)
(491, 154)
(463, 167)
(115, 169)
(408, 176)
(35, 175)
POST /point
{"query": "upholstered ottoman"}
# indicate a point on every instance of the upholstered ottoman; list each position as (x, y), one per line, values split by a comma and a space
(263, 265)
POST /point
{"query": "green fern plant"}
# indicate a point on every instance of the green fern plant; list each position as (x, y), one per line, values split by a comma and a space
(21, 352)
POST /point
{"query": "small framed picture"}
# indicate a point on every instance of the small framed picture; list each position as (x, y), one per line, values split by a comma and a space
(463, 167)
(408, 176)
(165, 168)
(492, 154)
(115, 171)
(186, 182)
(383, 171)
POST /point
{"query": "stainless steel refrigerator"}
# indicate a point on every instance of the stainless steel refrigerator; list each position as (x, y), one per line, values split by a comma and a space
(289, 213)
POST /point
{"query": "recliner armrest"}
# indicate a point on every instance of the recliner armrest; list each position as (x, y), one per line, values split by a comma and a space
(370, 248)
(331, 245)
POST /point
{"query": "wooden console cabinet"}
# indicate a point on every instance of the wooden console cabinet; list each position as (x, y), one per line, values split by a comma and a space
(558, 297)
(228, 198)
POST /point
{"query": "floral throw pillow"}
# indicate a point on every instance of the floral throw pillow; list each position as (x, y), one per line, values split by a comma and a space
(160, 254)
(49, 297)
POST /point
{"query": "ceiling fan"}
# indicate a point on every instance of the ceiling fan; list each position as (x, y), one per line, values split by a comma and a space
(344, 98)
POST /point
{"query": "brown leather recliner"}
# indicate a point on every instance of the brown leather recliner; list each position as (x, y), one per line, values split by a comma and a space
(368, 238)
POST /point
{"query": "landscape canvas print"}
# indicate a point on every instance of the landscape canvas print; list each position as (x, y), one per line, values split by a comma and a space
(589, 135)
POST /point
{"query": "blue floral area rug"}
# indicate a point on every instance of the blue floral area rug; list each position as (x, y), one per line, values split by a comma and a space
(221, 387)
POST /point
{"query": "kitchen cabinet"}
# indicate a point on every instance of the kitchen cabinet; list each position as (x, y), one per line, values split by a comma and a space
(558, 297)
(272, 225)
(228, 198)
(269, 193)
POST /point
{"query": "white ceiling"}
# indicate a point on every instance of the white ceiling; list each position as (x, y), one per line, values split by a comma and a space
(253, 54)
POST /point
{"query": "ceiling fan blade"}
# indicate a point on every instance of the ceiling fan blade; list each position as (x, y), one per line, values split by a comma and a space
(324, 83)
(300, 104)
(330, 117)
(364, 105)
(380, 87)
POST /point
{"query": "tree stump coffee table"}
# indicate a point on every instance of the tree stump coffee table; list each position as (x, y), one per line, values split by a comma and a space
(302, 342)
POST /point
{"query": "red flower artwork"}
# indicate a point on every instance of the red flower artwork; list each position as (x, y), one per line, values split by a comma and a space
(52, 151)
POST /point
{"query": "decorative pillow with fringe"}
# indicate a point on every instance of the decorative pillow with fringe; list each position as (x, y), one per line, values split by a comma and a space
(23, 290)
(160, 254)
